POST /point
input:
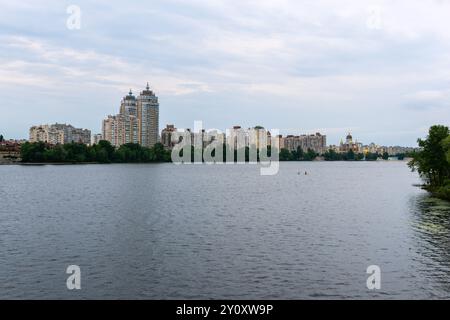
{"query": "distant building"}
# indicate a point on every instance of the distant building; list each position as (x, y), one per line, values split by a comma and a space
(128, 105)
(59, 134)
(349, 144)
(215, 135)
(121, 129)
(395, 150)
(96, 138)
(257, 137)
(72, 134)
(316, 142)
(148, 115)
(44, 133)
(237, 138)
(166, 136)
(281, 140)
(137, 121)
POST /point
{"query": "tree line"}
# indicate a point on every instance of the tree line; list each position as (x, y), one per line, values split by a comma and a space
(332, 155)
(432, 162)
(103, 152)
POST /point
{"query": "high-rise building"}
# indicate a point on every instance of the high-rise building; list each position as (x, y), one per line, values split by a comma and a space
(128, 105)
(137, 121)
(121, 129)
(108, 129)
(148, 115)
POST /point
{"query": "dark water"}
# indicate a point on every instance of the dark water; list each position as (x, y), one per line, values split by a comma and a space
(223, 231)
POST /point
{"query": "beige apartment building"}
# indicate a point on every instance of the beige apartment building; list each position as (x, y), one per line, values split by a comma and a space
(59, 134)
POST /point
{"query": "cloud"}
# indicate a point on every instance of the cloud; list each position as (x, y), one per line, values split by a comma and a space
(427, 100)
(44, 65)
(306, 64)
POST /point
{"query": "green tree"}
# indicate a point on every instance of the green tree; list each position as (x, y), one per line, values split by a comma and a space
(350, 155)
(161, 154)
(310, 155)
(285, 155)
(332, 155)
(446, 146)
(33, 152)
(298, 154)
(359, 156)
(104, 152)
(371, 156)
(1, 138)
(385, 156)
(431, 162)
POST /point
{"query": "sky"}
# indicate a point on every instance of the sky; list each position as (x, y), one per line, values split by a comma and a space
(377, 69)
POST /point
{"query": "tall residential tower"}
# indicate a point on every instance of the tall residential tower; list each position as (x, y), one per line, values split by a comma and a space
(137, 122)
(148, 114)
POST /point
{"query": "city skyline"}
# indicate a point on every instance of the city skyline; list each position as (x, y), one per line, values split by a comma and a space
(138, 122)
(327, 67)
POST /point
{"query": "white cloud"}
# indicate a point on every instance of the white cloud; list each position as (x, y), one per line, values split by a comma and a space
(304, 58)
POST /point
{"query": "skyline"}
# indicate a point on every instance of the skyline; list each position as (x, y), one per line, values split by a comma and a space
(124, 110)
(376, 70)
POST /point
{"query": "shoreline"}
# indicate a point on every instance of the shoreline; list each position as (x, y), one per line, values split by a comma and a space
(85, 163)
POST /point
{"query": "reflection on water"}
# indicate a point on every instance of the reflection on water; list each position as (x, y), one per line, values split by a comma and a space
(430, 221)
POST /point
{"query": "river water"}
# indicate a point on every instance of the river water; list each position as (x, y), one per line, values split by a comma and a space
(162, 231)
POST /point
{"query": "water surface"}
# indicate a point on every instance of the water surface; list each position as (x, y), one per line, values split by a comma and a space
(161, 231)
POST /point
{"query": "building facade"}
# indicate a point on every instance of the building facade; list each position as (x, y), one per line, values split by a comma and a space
(121, 129)
(96, 138)
(59, 134)
(316, 142)
(167, 135)
(137, 121)
(148, 114)
(349, 144)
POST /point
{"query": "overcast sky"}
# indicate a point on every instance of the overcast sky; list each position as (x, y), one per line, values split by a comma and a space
(380, 69)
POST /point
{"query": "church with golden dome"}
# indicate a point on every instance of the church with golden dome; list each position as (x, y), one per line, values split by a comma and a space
(349, 144)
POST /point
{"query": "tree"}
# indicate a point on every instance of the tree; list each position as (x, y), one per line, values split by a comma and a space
(350, 155)
(1, 138)
(33, 152)
(332, 155)
(285, 155)
(432, 161)
(385, 156)
(446, 146)
(299, 154)
(371, 156)
(310, 155)
(161, 154)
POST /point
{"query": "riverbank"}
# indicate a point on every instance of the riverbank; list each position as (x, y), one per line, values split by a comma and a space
(442, 192)
(84, 163)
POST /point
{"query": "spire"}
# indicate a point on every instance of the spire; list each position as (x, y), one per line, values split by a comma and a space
(148, 87)
(130, 93)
